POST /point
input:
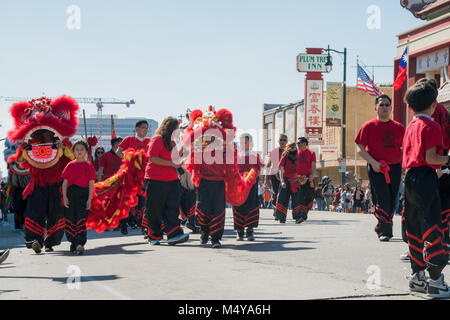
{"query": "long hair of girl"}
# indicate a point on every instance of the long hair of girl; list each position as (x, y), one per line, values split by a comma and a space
(166, 129)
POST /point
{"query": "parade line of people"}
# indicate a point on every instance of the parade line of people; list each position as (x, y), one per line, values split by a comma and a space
(171, 199)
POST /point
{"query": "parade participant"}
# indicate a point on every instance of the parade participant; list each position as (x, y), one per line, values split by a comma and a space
(18, 180)
(422, 156)
(306, 169)
(272, 165)
(327, 192)
(140, 141)
(189, 191)
(247, 215)
(163, 187)
(379, 142)
(45, 126)
(77, 188)
(290, 185)
(99, 151)
(212, 162)
(109, 162)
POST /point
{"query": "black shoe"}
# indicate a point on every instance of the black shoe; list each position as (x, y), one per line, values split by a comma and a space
(49, 249)
(240, 235)
(216, 244)
(250, 235)
(204, 238)
(36, 246)
(124, 229)
(193, 227)
(3, 256)
(299, 221)
(281, 221)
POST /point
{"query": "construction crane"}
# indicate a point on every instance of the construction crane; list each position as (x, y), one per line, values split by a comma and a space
(99, 102)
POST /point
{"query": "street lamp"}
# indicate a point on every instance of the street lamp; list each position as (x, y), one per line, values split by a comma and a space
(329, 67)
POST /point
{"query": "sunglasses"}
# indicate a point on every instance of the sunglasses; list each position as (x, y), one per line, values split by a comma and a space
(384, 105)
(283, 140)
(99, 152)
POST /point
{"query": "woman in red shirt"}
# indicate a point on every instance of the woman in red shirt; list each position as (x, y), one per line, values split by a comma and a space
(163, 187)
(290, 185)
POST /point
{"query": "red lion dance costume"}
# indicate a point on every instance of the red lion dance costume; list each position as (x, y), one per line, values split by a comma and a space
(45, 127)
(212, 162)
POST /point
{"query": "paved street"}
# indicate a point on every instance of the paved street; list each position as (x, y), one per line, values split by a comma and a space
(328, 257)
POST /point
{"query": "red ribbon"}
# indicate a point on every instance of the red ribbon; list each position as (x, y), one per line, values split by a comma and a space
(385, 170)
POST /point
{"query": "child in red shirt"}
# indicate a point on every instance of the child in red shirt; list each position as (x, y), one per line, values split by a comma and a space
(247, 215)
(77, 188)
(290, 185)
(422, 155)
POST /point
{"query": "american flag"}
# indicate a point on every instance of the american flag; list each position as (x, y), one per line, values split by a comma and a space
(366, 84)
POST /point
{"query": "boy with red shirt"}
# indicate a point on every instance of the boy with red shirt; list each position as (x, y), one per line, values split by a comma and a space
(422, 156)
(247, 215)
(140, 141)
(110, 162)
(379, 142)
(290, 185)
(306, 170)
(77, 188)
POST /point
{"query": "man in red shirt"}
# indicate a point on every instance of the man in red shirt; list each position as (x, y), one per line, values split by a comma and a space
(110, 162)
(272, 166)
(306, 169)
(140, 141)
(379, 142)
(422, 156)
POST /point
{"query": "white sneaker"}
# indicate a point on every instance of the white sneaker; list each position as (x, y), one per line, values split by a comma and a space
(405, 257)
(438, 289)
(418, 282)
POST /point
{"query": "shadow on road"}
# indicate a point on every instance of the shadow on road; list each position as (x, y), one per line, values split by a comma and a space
(63, 280)
(108, 250)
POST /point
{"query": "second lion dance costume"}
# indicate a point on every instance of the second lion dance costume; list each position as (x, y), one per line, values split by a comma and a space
(45, 127)
(213, 164)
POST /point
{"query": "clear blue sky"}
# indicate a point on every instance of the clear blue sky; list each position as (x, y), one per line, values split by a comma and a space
(173, 54)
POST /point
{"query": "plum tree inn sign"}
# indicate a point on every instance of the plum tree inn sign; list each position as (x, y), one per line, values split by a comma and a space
(312, 62)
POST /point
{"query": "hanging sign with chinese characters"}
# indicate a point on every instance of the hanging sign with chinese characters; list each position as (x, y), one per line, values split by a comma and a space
(432, 61)
(314, 108)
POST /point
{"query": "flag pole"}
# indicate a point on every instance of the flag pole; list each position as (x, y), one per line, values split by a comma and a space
(407, 78)
(356, 111)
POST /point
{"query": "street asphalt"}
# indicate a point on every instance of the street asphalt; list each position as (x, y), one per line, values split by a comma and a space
(331, 256)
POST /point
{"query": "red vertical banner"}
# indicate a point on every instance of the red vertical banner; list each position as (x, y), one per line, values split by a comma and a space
(314, 108)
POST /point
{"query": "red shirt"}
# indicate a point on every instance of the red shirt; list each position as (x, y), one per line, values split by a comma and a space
(248, 162)
(134, 143)
(383, 140)
(79, 173)
(111, 164)
(305, 158)
(442, 118)
(154, 171)
(290, 168)
(421, 135)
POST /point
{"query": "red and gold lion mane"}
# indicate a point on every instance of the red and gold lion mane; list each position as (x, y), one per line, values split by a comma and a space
(41, 123)
(211, 135)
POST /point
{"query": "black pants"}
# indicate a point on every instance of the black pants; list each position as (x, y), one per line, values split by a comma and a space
(444, 192)
(284, 195)
(188, 205)
(20, 206)
(275, 188)
(384, 196)
(44, 219)
(247, 215)
(423, 222)
(162, 209)
(211, 208)
(306, 200)
(76, 215)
